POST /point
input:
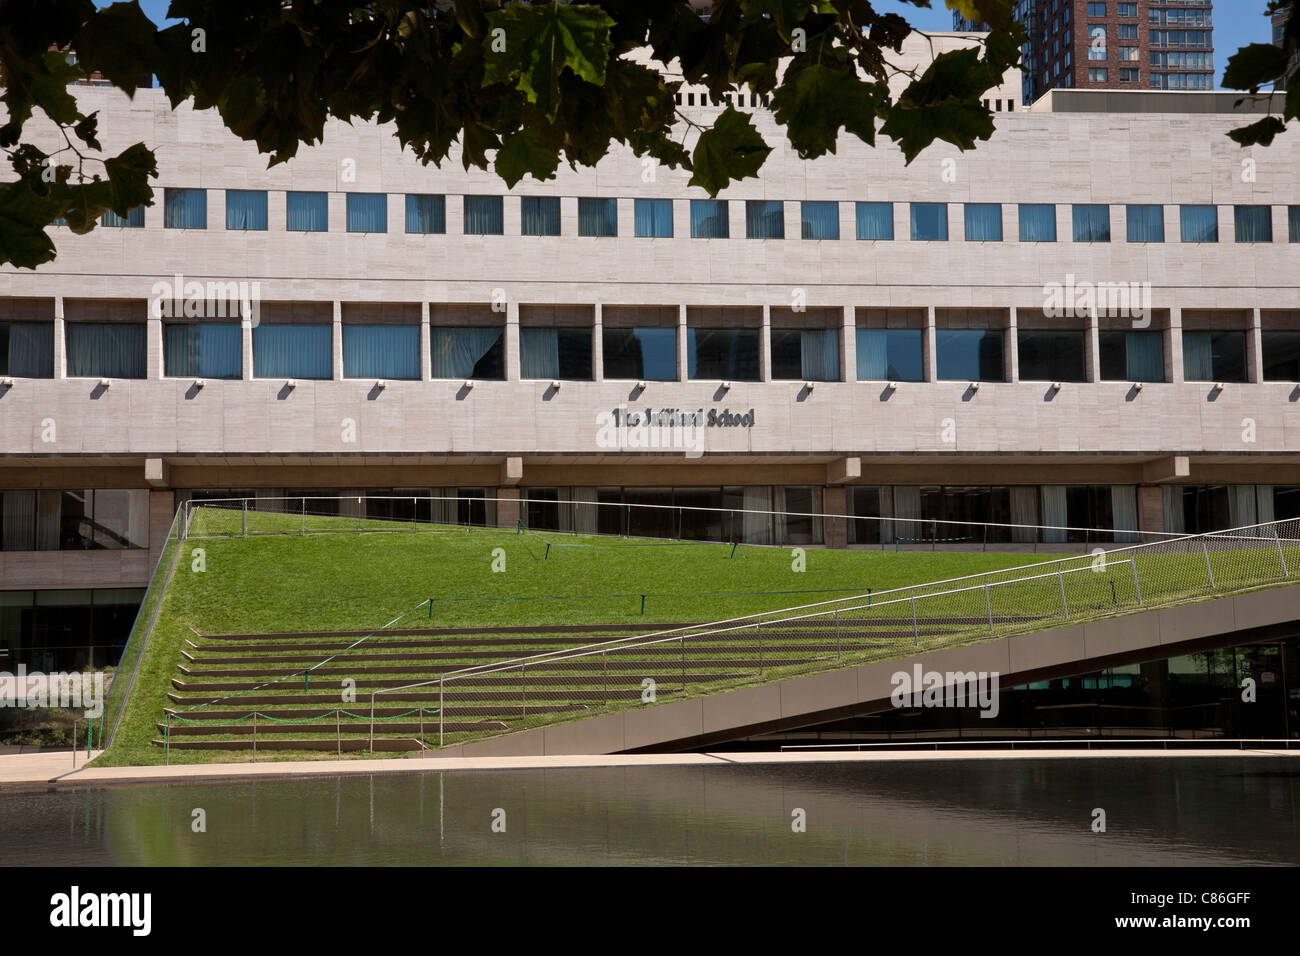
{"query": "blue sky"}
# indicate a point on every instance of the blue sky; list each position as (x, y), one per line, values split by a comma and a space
(1236, 22)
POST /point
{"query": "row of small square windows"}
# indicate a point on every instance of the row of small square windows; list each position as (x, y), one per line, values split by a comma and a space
(710, 218)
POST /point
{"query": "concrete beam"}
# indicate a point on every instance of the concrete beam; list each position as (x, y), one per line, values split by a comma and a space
(1166, 469)
(512, 471)
(157, 473)
(843, 470)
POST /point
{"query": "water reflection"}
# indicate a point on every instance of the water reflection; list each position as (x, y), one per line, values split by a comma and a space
(995, 812)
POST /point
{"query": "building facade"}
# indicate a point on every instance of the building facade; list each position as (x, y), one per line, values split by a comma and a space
(1112, 44)
(1092, 321)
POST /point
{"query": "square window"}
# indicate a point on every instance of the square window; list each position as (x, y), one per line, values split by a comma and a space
(245, 209)
(930, 221)
(1146, 223)
(653, 218)
(983, 222)
(185, 208)
(820, 220)
(875, 220)
(425, 214)
(709, 219)
(598, 217)
(367, 212)
(764, 219)
(1037, 222)
(1253, 223)
(539, 215)
(484, 216)
(306, 212)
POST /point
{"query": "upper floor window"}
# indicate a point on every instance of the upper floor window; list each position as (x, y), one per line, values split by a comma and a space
(27, 349)
(1293, 223)
(1281, 354)
(106, 349)
(246, 209)
(306, 212)
(598, 217)
(930, 220)
(203, 349)
(1199, 223)
(983, 222)
(468, 352)
(1127, 31)
(1253, 223)
(185, 208)
(426, 214)
(1132, 356)
(889, 355)
(1126, 10)
(654, 218)
(807, 354)
(1214, 356)
(973, 355)
(381, 351)
(539, 215)
(367, 212)
(550, 352)
(484, 216)
(1098, 75)
(875, 220)
(1146, 223)
(1037, 222)
(640, 353)
(293, 350)
(1096, 9)
(709, 219)
(727, 354)
(819, 220)
(1091, 223)
(134, 219)
(1051, 356)
(764, 219)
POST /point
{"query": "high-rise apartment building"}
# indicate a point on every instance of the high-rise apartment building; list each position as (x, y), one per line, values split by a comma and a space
(1117, 44)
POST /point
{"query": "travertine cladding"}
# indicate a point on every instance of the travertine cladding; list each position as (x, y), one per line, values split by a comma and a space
(1033, 157)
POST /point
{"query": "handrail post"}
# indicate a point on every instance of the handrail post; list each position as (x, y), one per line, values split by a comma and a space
(254, 736)
(304, 516)
(372, 721)
(1281, 556)
(1208, 569)
(440, 711)
(523, 687)
(837, 632)
(245, 501)
(167, 733)
(74, 745)
(1136, 586)
(759, 631)
(422, 747)
(916, 632)
(682, 644)
(338, 731)
(988, 603)
(1060, 576)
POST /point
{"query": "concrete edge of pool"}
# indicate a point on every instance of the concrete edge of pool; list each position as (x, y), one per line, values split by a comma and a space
(54, 770)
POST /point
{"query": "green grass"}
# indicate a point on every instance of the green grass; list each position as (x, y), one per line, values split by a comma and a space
(344, 581)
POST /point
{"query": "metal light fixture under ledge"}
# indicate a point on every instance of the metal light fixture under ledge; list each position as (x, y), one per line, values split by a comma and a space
(974, 386)
(808, 386)
(381, 384)
(105, 383)
(469, 384)
(290, 384)
(199, 383)
(724, 386)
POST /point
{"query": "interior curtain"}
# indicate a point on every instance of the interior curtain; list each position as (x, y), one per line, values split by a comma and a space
(1198, 357)
(426, 214)
(1055, 514)
(31, 350)
(1124, 512)
(19, 509)
(929, 220)
(983, 222)
(1265, 512)
(539, 353)
(484, 216)
(49, 525)
(873, 355)
(756, 528)
(457, 351)
(292, 351)
(106, 349)
(875, 220)
(306, 212)
(1293, 223)
(1199, 223)
(245, 209)
(134, 219)
(764, 219)
(1146, 223)
(821, 220)
(203, 349)
(1037, 223)
(907, 504)
(1091, 223)
(1172, 504)
(1253, 223)
(1241, 506)
(709, 219)
(820, 353)
(540, 216)
(584, 510)
(1024, 512)
(1145, 356)
(381, 351)
(367, 212)
(654, 218)
(597, 217)
(185, 208)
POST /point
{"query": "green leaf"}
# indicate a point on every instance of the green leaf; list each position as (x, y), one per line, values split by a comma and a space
(543, 41)
(120, 42)
(522, 154)
(1260, 133)
(1253, 66)
(816, 100)
(23, 217)
(731, 149)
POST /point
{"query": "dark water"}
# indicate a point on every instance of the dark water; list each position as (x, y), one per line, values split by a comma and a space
(1016, 812)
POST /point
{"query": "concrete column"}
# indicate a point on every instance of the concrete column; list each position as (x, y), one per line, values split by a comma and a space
(1011, 348)
(512, 215)
(60, 341)
(793, 213)
(153, 347)
(336, 208)
(454, 207)
(512, 341)
(597, 346)
(849, 345)
(507, 507)
(1092, 349)
(337, 360)
(765, 346)
(928, 346)
(162, 508)
(683, 364)
(836, 530)
(246, 347)
(1254, 349)
(682, 219)
(736, 218)
(1174, 346)
(426, 357)
(1151, 508)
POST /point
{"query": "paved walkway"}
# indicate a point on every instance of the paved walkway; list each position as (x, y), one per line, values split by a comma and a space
(55, 769)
